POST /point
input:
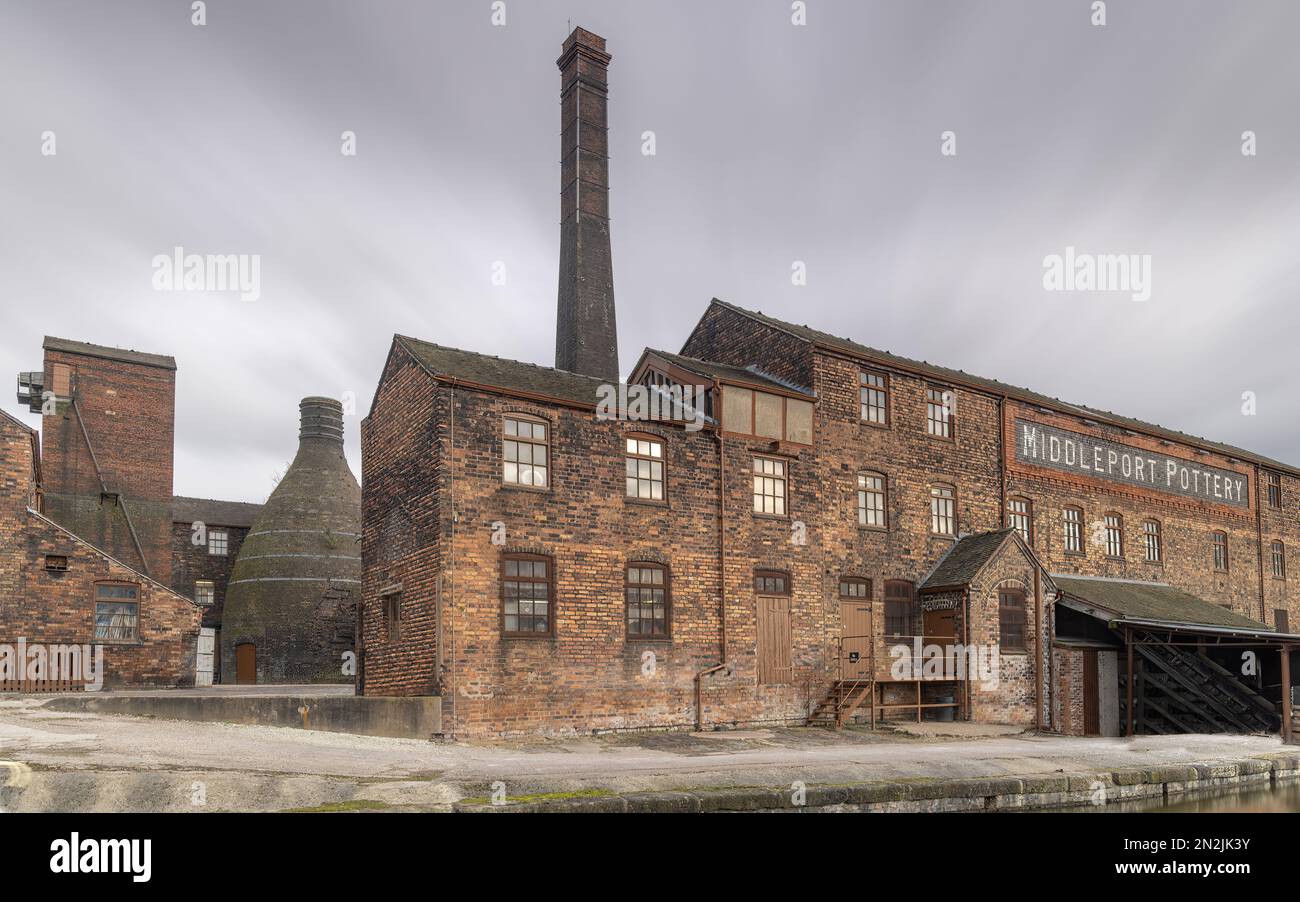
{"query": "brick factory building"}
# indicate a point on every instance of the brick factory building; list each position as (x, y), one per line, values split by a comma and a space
(549, 561)
(105, 477)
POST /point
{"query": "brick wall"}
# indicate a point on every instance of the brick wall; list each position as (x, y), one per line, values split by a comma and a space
(191, 563)
(58, 607)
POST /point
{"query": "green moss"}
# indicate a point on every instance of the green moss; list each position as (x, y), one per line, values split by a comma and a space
(349, 805)
(542, 797)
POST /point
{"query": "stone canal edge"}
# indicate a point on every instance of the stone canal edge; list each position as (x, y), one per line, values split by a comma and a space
(925, 794)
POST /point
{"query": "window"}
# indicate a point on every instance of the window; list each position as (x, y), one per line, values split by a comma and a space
(1151, 536)
(1279, 560)
(1114, 535)
(526, 590)
(1274, 490)
(647, 601)
(218, 542)
(62, 374)
(1072, 525)
(56, 562)
(765, 415)
(205, 591)
(855, 587)
(645, 468)
(1012, 621)
(939, 410)
(117, 612)
(769, 486)
(871, 500)
(874, 396)
(1281, 620)
(1220, 541)
(392, 610)
(1020, 517)
(524, 452)
(943, 510)
(771, 582)
(898, 607)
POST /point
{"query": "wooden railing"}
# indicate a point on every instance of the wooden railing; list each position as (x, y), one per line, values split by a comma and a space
(856, 681)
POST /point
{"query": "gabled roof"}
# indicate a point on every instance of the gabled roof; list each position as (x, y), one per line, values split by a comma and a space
(69, 346)
(1134, 600)
(962, 564)
(214, 513)
(711, 369)
(962, 378)
(512, 376)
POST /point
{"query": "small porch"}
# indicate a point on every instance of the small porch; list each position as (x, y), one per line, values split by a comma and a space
(915, 677)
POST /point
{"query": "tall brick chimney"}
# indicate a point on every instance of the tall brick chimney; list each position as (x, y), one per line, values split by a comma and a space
(586, 340)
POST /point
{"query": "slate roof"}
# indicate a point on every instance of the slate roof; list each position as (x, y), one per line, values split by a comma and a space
(711, 369)
(91, 350)
(945, 374)
(499, 372)
(1134, 600)
(965, 559)
(214, 513)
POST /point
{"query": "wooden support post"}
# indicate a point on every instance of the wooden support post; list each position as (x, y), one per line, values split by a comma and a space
(1128, 643)
(1288, 730)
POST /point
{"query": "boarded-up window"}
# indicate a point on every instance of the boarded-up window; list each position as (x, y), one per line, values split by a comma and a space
(798, 421)
(767, 415)
(62, 386)
(775, 664)
(1281, 621)
(738, 410)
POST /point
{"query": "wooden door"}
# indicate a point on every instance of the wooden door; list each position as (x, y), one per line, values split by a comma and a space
(774, 652)
(855, 639)
(246, 663)
(940, 627)
(1091, 700)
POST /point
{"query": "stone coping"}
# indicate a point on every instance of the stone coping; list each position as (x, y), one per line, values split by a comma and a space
(923, 794)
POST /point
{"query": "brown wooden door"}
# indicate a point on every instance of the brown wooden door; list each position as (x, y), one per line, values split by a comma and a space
(940, 627)
(1091, 700)
(774, 652)
(246, 663)
(855, 647)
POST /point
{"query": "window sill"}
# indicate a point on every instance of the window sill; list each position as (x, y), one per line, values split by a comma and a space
(879, 529)
(758, 516)
(529, 637)
(646, 502)
(536, 489)
(1016, 652)
(656, 640)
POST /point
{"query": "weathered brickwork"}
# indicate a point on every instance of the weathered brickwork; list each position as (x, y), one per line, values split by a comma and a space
(124, 413)
(58, 607)
(192, 563)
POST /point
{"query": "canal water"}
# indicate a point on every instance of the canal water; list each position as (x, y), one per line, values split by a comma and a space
(1240, 799)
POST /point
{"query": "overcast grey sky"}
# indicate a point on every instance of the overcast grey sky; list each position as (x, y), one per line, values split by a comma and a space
(775, 143)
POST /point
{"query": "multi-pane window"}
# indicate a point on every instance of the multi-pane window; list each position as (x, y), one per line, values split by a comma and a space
(769, 486)
(898, 607)
(1220, 541)
(205, 591)
(771, 582)
(855, 587)
(1020, 516)
(1072, 530)
(647, 601)
(1274, 490)
(645, 468)
(392, 610)
(526, 595)
(1151, 536)
(218, 542)
(943, 510)
(1012, 621)
(1279, 560)
(874, 395)
(871, 500)
(117, 612)
(939, 418)
(1114, 535)
(525, 454)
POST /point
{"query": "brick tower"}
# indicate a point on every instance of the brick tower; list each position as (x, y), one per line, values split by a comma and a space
(586, 340)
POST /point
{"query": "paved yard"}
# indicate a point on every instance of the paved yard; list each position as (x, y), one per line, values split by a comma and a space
(81, 761)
